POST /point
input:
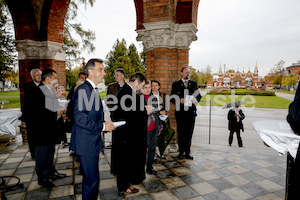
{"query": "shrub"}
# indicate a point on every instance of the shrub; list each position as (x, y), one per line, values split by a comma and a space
(243, 92)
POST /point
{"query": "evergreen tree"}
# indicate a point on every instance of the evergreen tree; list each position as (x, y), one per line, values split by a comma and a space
(121, 57)
(8, 55)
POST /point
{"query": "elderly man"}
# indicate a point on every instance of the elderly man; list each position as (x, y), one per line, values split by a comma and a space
(186, 90)
(88, 124)
(28, 115)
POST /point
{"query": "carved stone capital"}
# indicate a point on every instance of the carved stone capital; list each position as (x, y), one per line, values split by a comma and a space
(29, 49)
(167, 34)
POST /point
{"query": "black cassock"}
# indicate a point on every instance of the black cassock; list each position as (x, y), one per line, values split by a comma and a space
(129, 141)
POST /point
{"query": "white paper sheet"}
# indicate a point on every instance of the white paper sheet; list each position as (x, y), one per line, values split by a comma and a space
(120, 123)
(188, 100)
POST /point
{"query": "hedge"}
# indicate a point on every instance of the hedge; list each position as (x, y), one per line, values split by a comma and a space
(245, 92)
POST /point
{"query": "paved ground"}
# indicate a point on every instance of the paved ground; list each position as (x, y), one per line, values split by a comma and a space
(287, 96)
(217, 172)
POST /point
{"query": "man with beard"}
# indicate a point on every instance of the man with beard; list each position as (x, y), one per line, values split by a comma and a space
(188, 92)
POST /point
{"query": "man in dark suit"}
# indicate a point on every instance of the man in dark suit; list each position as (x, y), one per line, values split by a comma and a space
(88, 124)
(129, 141)
(235, 124)
(189, 95)
(29, 115)
(45, 129)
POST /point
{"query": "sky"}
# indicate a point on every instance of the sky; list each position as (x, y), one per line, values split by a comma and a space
(234, 33)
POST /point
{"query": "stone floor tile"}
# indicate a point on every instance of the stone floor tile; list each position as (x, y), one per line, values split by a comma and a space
(159, 167)
(196, 168)
(237, 169)
(78, 179)
(19, 189)
(61, 191)
(33, 185)
(185, 192)
(251, 176)
(280, 193)
(236, 160)
(63, 155)
(165, 174)
(254, 189)
(103, 161)
(27, 164)
(66, 150)
(109, 194)
(104, 167)
(20, 150)
(237, 180)
(141, 197)
(24, 170)
(154, 186)
(78, 188)
(172, 164)
(191, 179)
(203, 188)
(211, 165)
(17, 196)
(208, 175)
(278, 170)
(64, 181)
(42, 194)
(220, 184)
(236, 194)
(106, 175)
(23, 178)
(173, 182)
(265, 173)
(216, 195)
(142, 191)
(223, 172)
(9, 166)
(68, 172)
(70, 197)
(108, 183)
(64, 160)
(269, 185)
(214, 157)
(180, 171)
(150, 177)
(269, 196)
(13, 160)
(7, 172)
(17, 155)
(4, 156)
(67, 165)
(262, 163)
(250, 166)
(164, 195)
(187, 162)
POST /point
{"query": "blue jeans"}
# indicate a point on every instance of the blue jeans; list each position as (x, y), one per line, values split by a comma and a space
(151, 143)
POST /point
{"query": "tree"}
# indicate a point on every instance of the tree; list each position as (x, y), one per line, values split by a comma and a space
(13, 76)
(8, 53)
(195, 77)
(278, 71)
(121, 57)
(75, 46)
(204, 75)
(290, 80)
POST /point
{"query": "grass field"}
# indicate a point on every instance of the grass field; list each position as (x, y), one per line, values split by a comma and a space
(217, 100)
(256, 101)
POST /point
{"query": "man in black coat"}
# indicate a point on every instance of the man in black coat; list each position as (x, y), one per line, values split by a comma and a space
(30, 89)
(129, 141)
(45, 130)
(189, 95)
(235, 124)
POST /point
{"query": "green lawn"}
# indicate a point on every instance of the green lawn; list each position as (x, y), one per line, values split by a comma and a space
(14, 98)
(217, 100)
(257, 101)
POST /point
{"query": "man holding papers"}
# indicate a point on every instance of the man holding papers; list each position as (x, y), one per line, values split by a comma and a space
(189, 94)
(88, 124)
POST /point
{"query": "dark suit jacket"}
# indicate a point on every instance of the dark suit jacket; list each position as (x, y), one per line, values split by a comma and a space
(233, 125)
(45, 127)
(112, 89)
(88, 121)
(178, 89)
(30, 90)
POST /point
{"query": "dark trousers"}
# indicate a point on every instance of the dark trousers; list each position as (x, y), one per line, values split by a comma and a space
(151, 144)
(44, 165)
(238, 135)
(185, 128)
(91, 178)
(30, 139)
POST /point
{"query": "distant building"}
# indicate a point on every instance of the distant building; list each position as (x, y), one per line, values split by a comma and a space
(295, 68)
(238, 79)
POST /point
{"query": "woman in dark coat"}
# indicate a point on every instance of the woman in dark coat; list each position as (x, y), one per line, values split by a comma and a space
(235, 124)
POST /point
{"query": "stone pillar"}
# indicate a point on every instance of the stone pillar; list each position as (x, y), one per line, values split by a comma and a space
(42, 55)
(167, 50)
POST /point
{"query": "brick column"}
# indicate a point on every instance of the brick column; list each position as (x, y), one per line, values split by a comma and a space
(167, 50)
(42, 55)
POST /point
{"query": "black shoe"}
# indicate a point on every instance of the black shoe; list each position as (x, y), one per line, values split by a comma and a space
(46, 183)
(151, 172)
(180, 156)
(65, 145)
(229, 144)
(188, 156)
(57, 175)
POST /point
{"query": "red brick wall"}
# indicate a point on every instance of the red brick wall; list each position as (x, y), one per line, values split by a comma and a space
(139, 14)
(186, 11)
(159, 10)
